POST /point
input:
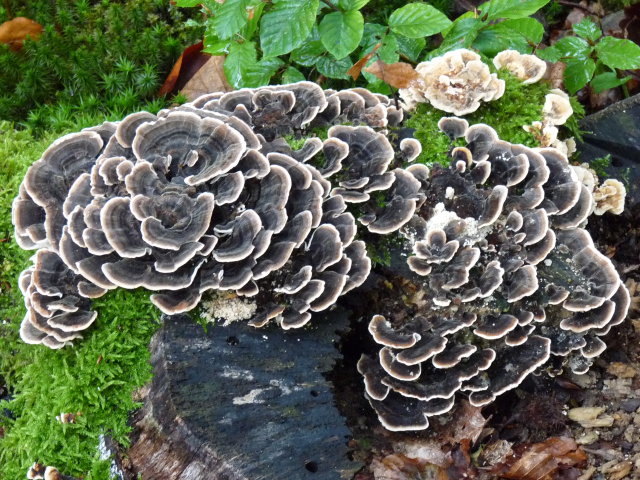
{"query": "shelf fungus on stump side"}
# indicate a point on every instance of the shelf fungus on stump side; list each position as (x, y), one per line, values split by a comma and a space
(512, 282)
(209, 195)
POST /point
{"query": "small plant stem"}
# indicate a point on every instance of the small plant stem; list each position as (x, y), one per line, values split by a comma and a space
(330, 5)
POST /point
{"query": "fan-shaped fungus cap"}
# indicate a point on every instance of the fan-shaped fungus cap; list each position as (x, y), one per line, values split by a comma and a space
(456, 82)
(505, 278)
(527, 68)
(609, 197)
(557, 108)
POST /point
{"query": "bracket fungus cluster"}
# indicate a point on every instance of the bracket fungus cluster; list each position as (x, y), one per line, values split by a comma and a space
(207, 196)
(456, 83)
(211, 196)
(512, 282)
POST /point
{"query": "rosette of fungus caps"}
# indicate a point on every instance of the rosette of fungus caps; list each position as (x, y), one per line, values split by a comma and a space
(512, 282)
(456, 83)
(210, 196)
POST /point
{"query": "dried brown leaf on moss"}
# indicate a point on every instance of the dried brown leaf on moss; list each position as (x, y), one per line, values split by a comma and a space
(209, 78)
(355, 71)
(14, 32)
(541, 461)
(398, 75)
(401, 467)
(190, 61)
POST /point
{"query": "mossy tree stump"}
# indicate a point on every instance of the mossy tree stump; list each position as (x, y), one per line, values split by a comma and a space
(242, 403)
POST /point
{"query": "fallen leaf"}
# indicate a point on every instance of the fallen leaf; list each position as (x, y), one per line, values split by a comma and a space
(589, 417)
(619, 471)
(190, 61)
(208, 79)
(621, 370)
(398, 75)
(355, 71)
(14, 32)
(467, 423)
(540, 461)
(401, 467)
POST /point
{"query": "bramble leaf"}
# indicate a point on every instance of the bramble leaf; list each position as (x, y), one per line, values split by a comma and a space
(517, 34)
(410, 47)
(329, 67)
(587, 29)
(352, 4)
(231, 17)
(578, 73)
(418, 20)
(495, 9)
(309, 52)
(573, 47)
(340, 32)
(607, 80)
(462, 34)
(292, 75)
(286, 26)
(618, 53)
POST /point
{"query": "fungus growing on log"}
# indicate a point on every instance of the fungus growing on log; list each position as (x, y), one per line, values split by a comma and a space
(209, 196)
(510, 282)
(456, 82)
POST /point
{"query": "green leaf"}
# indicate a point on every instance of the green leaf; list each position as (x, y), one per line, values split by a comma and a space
(578, 73)
(461, 35)
(188, 3)
(372, 35)
(418, 20)
(231, 17)
(240, 56)
(618, 53)
(292, 75)
(309, 53)
(260, 73)
(517, 34)
(216, 47)
(410, 47)
(332, 68)
(551, 54)
(340, 32)
(252, 24)
(607, 80)
(286, 26)
(573, 47)
(352, 4)
(388, 52)
(495, 9)
(587, 29)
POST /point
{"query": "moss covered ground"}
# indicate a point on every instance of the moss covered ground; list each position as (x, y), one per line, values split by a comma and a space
(520, 105)
(96, 377)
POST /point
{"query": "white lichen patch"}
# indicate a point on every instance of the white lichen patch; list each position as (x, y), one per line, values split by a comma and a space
(227, 308)
(251, 397)
(471, 232)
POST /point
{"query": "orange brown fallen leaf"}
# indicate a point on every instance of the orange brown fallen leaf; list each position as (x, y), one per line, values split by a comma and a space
(355, 71)
(540, 461)
(14, 32)
(398, 75)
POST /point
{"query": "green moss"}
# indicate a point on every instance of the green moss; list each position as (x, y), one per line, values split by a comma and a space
(96, 377)
(102, 57)
(520, 105)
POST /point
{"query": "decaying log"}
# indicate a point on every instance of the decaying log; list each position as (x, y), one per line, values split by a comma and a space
(240, 403)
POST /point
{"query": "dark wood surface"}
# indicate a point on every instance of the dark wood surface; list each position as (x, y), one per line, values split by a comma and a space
(241, 403)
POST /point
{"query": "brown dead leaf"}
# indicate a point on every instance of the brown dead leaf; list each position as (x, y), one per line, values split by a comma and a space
(191, 60)
(355, 71)
(208, 79)
(540, 461)
(401, 467)
(467, 423)
(14, 32)
(621, 370)
(398, 75)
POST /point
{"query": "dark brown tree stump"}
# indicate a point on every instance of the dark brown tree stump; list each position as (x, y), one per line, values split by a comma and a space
(239, 403)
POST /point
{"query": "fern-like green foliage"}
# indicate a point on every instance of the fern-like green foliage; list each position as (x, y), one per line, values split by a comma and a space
(96, 377)
(93, 58)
